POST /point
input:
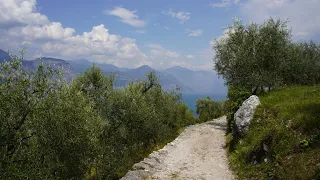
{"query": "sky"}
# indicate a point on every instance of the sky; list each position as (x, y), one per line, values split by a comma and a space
(132, 33)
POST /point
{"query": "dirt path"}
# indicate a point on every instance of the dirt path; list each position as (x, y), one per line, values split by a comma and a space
(197, 153)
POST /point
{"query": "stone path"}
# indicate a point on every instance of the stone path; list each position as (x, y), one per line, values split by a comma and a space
(198, 153)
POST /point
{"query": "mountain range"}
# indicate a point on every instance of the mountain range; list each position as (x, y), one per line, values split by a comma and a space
(188, 80)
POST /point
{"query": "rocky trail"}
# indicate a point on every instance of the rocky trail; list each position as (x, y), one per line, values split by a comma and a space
(198, 153)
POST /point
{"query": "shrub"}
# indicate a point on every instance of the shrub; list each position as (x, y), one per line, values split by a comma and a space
(208, 109)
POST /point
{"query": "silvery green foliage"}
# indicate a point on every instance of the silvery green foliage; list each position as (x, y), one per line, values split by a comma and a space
(43, 125)
(251, 56)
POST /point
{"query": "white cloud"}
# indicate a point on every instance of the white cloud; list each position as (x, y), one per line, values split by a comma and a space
(35, 31)
(225, 3)
(302, 15)
(53, 30)
(19, 12)
(197, 32)
(158, 48)
(166, 27)
(154, 46)
(182, 16)
(225, 35)
(100, 46)
(141, 31)
(161, 57)
(126, 16)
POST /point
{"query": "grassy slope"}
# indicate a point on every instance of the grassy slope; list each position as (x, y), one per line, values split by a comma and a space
(288, 122)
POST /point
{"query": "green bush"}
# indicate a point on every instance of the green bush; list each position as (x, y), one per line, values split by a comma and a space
(208, 109)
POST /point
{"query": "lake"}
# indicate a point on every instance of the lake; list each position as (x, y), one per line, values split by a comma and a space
(191, 99)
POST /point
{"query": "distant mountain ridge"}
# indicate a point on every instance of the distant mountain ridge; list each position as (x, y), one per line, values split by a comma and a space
(203, 81)
(124, 75)
(4, 56)
(188, 80)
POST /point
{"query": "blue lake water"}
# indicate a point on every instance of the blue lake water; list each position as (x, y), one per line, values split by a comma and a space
(191, 99)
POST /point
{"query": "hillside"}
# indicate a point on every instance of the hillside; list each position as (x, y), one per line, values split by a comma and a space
(284, 138)
(31, 65)
(204, 81)
(4, 55)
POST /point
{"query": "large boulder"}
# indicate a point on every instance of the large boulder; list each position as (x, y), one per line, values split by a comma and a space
(244, 114)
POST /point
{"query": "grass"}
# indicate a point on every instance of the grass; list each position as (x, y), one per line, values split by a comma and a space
(284, 138)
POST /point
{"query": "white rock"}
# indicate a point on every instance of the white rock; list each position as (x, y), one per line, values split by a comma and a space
(245, 113)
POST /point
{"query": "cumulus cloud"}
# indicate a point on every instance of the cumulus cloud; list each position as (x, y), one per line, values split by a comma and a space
(35, 31)
(302, 15)
(159, 50)
(19, 12)
(182, 16)
(161, 57)
(53, 30)
(40, 35)
(98, 45)
(189, 56)
(197, 32)
(141, 31)
(224, 3)
(126, 16)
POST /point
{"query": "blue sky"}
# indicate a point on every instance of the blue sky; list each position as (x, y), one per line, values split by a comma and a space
(131, 33)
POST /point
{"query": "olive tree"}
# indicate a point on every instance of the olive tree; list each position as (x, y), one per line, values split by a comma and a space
(251, 56)
(47, 129)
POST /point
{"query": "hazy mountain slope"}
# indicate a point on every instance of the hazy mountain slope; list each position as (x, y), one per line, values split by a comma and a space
(124, 75)
(4, 56)
(188, 80)
(33, 64)
(57, 64)
(79, 66)
(167, 81)
(200, 81)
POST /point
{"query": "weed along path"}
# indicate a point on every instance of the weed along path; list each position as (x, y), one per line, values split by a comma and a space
(198, 153)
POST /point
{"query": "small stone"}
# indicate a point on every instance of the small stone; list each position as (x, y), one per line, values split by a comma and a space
(265, 147)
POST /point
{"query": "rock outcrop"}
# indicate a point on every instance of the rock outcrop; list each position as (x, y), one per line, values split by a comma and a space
(244, 114)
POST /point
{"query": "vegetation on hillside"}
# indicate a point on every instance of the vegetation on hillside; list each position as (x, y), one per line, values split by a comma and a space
(283, 140)
(208, 109)
(86, 129)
